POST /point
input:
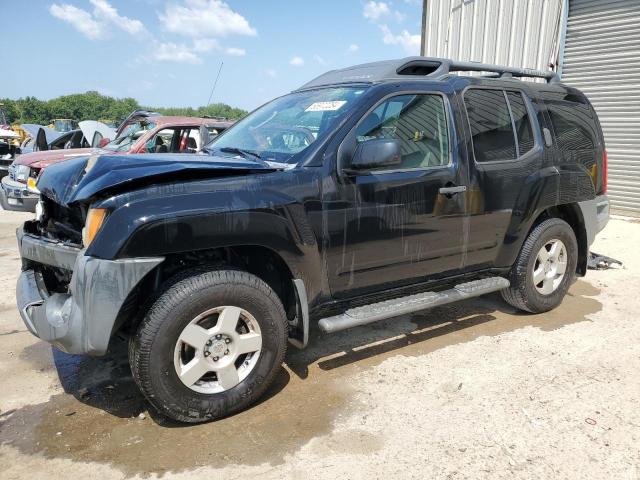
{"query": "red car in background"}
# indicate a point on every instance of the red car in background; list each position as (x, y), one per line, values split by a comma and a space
(141, 132)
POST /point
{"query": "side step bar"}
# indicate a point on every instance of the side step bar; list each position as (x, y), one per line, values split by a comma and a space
(412, 303)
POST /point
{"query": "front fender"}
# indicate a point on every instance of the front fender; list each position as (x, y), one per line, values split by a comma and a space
(190, 217)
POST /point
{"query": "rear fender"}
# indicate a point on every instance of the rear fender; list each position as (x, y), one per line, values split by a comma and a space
(548, 188)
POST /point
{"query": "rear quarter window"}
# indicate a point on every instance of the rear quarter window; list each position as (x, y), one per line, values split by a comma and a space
(574, 125)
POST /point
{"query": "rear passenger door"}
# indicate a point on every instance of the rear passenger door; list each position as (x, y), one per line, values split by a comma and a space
(505, 151)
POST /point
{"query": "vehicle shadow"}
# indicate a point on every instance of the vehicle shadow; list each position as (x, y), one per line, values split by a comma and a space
(385, 337)
(106, 383)
(432, 329)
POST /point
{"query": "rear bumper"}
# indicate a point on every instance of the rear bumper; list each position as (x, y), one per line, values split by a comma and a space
(82, 320)
(595, 213)
(15, 196)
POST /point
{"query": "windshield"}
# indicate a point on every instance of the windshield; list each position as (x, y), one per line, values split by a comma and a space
(129, 136)
(285, 127)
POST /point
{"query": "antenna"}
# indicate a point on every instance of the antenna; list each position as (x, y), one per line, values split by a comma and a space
(215, 83)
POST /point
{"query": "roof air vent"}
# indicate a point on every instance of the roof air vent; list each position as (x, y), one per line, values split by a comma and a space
(418, 68)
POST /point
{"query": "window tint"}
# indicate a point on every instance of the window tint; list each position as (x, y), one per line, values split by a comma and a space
(490, 123)
(572, 124)
(524, 133)
(418, 122)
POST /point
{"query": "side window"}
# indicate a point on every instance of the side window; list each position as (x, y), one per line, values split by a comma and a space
(189, 141)
(490, 122)
(162, 142)
(524, 133)
(418, 122)
(572, 126)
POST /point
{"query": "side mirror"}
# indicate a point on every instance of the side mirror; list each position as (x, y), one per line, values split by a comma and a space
(376, 154)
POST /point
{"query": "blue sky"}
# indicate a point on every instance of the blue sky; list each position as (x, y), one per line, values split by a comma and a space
(167, 52)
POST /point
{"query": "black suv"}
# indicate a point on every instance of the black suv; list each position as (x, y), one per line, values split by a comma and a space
(368, 193)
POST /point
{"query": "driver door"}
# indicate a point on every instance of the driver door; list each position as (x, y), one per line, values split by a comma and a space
(401, 225)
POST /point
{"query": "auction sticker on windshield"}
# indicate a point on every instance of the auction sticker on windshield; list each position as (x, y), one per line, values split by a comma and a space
(325, 106)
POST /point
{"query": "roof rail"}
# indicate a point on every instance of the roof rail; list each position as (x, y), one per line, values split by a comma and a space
(420, 67)
(503, 71)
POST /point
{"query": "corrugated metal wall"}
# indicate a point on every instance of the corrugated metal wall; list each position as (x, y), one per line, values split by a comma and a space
(520, 33)
(602, 58)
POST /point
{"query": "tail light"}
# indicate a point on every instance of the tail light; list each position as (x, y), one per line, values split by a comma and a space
(605, 168)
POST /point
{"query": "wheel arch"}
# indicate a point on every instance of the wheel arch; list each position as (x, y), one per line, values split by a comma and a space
(572, 214)
(261, 261)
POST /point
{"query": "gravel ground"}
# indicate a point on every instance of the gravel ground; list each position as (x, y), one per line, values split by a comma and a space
(472, 390)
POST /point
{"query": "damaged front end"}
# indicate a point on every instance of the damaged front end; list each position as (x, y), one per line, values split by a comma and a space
(72, 299)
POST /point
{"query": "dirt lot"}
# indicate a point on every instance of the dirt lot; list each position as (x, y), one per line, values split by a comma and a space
(472, 390)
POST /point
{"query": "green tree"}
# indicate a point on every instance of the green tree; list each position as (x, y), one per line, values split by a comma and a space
(92, 105)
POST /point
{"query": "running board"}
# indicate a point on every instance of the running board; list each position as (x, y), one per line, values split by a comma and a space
(412, 303)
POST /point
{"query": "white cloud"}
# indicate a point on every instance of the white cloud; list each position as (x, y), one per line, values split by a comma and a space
(236, 52)
(172, 52)
(375, 10)
(108, 14)
(410, 43)
(95, 25)
(297, 61)
(353, 48)
(270, 72)
(204, 18)
(201, 20)
(79, 19)
(181, 53)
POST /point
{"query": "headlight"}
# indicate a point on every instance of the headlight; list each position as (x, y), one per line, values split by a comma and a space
(22, 173)
(31, 185)
(95, 219)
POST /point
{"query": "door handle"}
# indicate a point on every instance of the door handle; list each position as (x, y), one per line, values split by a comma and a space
(449, 191)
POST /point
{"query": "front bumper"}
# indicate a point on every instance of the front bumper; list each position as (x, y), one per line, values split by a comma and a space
(82, 320)
(16, 197)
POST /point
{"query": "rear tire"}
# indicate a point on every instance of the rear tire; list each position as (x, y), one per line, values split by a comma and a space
(226, 315)
(544, 269)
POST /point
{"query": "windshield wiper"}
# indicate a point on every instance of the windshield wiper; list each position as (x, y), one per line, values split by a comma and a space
(240, 151)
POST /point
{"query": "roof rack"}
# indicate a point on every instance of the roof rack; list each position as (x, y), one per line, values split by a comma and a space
(501, 70)
(431, 67)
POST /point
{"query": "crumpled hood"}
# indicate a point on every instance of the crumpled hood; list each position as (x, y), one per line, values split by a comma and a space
(68, 182)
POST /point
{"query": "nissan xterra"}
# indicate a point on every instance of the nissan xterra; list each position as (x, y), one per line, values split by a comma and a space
(370, 192)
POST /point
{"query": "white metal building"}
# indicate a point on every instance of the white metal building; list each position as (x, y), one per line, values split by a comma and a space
(593, 44)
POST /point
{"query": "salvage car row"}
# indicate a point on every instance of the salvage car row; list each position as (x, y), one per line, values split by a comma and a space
(141, 132)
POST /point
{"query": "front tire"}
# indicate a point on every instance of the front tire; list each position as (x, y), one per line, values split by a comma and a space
(544, 269)
(210, 345)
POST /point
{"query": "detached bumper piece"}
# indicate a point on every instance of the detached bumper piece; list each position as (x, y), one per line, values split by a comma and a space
(412, 303)
(80, 321)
